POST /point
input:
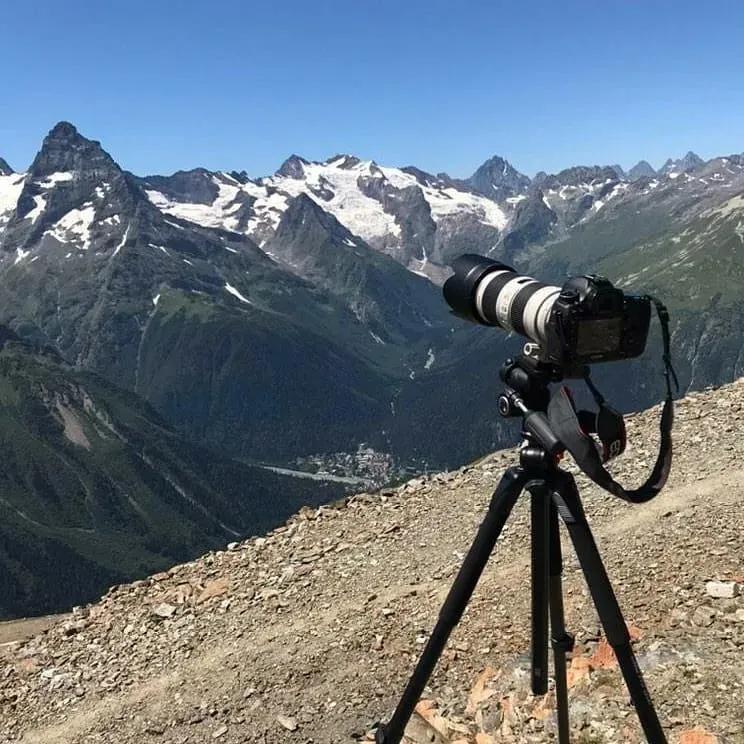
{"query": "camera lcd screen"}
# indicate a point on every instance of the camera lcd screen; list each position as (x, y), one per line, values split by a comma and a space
(599, 336)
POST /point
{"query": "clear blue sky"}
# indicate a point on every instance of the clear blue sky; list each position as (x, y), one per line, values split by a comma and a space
(443, 85)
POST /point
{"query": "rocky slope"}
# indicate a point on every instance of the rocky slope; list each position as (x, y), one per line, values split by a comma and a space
(308, 634)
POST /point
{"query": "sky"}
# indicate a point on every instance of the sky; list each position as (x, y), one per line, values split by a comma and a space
(441, 85)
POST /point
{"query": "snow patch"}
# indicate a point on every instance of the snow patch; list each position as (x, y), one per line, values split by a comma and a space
(54, 178)
(20, 255)
(360, 214)
(74, 227)
(429, 359)
(237, 294)
(156, 299)
(10, 189)
(123, 240)
(39, 206)
(208, 215)
(446, 202)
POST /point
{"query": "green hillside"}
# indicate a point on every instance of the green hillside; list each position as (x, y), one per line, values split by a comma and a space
(95, 489)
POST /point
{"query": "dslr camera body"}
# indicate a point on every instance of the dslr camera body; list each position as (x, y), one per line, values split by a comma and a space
(585, 321)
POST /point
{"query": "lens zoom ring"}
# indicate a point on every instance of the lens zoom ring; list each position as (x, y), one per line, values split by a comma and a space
(516, 311)
(491, 295)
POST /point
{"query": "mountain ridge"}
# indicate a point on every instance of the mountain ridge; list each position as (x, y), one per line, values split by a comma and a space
(201, 236)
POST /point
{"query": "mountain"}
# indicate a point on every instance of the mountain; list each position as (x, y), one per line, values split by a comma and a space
(311, 631)
(690, 162)
(5, 169)
(642, 169)
(97, 489)
(420, 220)
(498, 180)
(619, 172)
(202, 290)
(200, 322)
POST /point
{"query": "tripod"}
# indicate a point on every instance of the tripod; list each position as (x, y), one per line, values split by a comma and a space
(553, 493)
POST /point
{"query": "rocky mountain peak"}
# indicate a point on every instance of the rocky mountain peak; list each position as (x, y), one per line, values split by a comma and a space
(498, 179)
(642, 169)
(344, 161)
(65, 150)
(690, 162)
(63, 130)
(194, 186)
(292, 167)
(580, 174)
(74, 178)
(303, 217)
(240, 176)
(422, 176)
(5, 169)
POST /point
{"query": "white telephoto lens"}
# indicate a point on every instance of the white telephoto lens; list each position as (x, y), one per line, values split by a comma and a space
(506, 297)
(482, 287)
(543, 314)
(534, 318)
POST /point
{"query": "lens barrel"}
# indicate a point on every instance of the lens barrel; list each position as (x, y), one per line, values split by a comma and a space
(460, 289)
(489, 292)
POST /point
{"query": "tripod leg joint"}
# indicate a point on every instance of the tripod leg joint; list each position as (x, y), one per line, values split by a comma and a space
(381, 734)
(564, 642)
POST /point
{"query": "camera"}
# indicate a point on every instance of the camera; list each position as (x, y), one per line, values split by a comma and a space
(585, 321)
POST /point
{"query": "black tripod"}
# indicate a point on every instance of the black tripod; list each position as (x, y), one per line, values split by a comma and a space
(553, 492)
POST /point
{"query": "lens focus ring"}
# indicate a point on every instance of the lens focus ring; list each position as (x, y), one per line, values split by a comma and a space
(487, 294)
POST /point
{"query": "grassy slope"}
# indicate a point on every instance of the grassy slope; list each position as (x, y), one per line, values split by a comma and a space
(117, 496)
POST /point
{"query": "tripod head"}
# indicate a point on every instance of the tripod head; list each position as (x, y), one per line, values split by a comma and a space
(552, 425)
(526, 394)
(528, 377)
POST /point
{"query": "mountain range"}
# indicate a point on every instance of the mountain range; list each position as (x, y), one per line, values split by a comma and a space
(295, 320)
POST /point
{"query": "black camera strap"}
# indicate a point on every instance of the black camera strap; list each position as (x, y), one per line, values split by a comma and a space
(574, 429)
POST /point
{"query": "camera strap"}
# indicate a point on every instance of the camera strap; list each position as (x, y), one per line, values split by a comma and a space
(574, 429)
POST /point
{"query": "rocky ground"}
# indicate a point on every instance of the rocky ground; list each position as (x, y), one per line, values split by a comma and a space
(309, 633)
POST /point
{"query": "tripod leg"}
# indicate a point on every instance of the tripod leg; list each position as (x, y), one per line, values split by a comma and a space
(562, 641)
(539, 505)
(566, 498)
(502, 502)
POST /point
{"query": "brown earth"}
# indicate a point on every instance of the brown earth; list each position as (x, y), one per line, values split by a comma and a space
(309, 634)
(12, 631)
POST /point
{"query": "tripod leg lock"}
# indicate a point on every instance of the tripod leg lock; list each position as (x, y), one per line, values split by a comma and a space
(564, 642)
